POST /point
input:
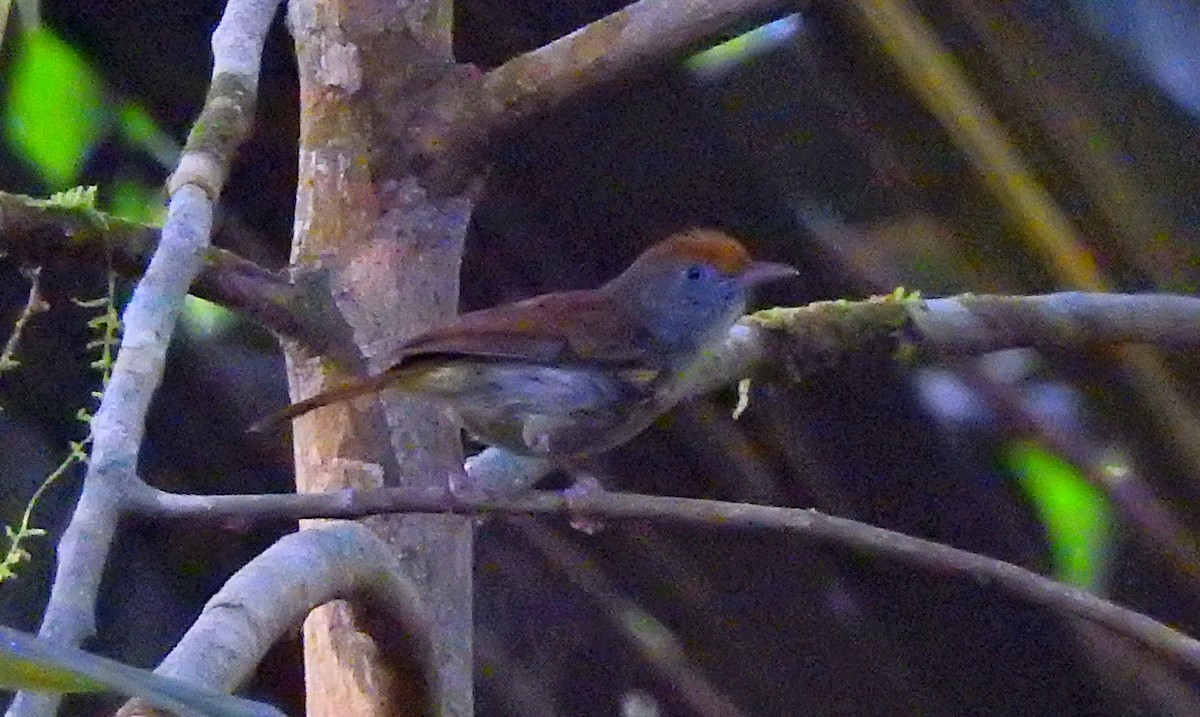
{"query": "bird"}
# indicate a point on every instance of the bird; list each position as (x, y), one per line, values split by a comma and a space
(569, 375)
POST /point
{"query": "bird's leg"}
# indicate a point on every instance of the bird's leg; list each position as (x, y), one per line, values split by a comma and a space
(584, 484)
(459, 483)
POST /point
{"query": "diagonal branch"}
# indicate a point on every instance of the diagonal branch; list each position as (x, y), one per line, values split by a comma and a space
(614, 47)
(31, 660)
(658, 645)
(119, 423)
(41, 232)
(936, 557)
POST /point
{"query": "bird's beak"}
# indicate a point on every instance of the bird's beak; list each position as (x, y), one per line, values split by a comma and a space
(760, 272)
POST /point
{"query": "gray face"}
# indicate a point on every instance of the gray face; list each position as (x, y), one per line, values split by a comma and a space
(691, 305)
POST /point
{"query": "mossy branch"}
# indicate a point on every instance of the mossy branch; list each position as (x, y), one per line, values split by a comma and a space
(63, 231)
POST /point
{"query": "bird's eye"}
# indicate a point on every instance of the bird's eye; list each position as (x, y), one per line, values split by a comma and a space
(695, 272)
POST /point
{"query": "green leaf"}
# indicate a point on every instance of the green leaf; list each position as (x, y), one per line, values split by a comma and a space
(54, 113)
(21, 670)
(31, 663)
(1077, 516)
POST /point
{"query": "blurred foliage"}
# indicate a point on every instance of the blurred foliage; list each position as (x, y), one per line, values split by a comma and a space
(54, 112)
(731, 53)
(133, 200)
(1077, 516)
(205, 319)
(57, 112)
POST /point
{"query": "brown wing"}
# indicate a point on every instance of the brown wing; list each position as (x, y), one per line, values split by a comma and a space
(566, 327)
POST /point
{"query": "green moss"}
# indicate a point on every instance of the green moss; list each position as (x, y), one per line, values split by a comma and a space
(228, 111)
(825, 332)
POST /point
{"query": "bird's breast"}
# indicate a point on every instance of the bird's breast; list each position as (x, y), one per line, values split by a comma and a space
(534, 386)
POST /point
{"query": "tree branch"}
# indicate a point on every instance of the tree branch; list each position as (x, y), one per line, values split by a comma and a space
(808, 337)
(45, 232)
(29, 659)
(803, 339)
(49, 232)
(974, 324)
(936, 557)
(119, 423)
(614, 47)
(273, 593)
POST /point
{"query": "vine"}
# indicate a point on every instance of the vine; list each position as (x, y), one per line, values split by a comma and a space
(106, 330)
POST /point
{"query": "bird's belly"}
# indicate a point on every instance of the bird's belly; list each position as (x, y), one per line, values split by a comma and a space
(508, 386)
(535, 409)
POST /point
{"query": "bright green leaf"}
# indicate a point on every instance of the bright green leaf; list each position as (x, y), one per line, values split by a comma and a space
(1077, 516)
(54, 113)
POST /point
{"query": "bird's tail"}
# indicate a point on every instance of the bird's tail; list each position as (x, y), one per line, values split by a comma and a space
(390, 378)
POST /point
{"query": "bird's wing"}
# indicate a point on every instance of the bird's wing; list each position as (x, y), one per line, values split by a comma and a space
(563, 328)
(560, 329)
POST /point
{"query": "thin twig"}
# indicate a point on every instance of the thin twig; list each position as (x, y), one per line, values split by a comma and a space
(939, 558)
(34, 305)
(106, 328)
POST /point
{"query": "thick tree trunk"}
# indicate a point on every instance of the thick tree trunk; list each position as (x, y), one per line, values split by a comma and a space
(392, 256)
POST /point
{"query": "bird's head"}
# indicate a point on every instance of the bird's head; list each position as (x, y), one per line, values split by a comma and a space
(691, 287)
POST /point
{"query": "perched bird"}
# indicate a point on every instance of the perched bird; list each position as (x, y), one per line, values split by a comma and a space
(571, 374)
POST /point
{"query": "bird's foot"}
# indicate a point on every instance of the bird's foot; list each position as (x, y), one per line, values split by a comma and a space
(586, 485)
(459, 484)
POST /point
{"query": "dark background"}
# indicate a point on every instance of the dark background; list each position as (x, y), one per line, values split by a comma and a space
(817, 153)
